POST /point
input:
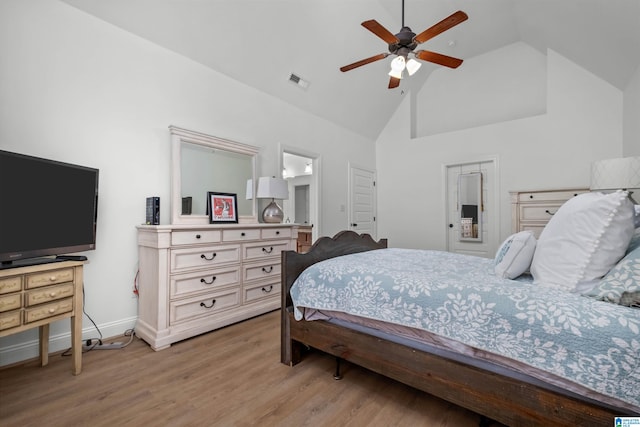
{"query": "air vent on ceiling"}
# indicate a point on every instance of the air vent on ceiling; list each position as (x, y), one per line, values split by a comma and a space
(298, 81)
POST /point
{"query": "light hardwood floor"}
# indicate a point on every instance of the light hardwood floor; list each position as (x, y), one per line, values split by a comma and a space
(229, 377)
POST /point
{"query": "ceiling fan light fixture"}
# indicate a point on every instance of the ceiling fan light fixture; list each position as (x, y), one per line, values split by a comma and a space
(396, 73)
(413, 66)
(397, 67)
(398, 63)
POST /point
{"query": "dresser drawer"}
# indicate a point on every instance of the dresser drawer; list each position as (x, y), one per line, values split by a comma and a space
(259, 250)
(10, 284)
(262, 291)
(203, 281)
(206, 257)
(551, 196)
(276, 233)
(538, 212)
(240, 235)
(49, 278)
(43, 311)
(10, 302)
(10, 319)
(192, 308)
(50, 293)
(261, 270)
(195, 236)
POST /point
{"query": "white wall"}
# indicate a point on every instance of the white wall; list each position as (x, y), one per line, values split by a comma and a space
(481, 95)
(632, 116)
(553, 150)
(76, 89)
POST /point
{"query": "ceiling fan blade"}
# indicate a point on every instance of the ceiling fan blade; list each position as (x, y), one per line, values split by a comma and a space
(394, 82)
(364, 62)
(380, 31)
(438, 58)
(444, 25)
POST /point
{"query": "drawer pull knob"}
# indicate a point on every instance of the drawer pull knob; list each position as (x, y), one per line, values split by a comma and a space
(268, 251)
(549, 212)
(52, 310)
(243, 234)
(198, 236)
(277, 232)
(52, 278)
(213, 279)
(265, 290)
(531, 196)
(52, 294)
(203, 256)
(213, 302)
(269, 270)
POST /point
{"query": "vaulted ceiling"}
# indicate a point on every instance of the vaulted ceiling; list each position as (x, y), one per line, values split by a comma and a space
(261, 42)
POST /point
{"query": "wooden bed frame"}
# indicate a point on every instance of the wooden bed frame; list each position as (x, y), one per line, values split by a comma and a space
(499, 397)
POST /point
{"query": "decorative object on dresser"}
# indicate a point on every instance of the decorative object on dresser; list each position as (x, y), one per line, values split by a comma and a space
(38, 295)
(222, 208)
(532, 210)
(194, 279)
(272, 188)
(616, 174)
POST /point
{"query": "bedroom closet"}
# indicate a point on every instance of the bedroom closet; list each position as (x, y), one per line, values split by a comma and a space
(471, 197)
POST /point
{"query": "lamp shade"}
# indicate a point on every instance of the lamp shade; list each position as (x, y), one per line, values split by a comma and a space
(272, 188)
(615, 174)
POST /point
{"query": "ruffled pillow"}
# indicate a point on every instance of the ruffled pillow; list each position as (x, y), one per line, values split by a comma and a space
(584, 239)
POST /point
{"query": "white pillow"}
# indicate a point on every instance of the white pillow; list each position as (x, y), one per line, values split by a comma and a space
(515, 255)
(583, 240)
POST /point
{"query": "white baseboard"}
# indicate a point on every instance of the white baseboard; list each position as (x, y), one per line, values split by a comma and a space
(30, 349)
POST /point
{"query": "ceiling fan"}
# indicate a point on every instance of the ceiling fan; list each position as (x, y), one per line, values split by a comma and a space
(405, 42)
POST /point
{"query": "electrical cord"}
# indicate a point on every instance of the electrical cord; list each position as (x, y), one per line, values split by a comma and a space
(129, 333)
(91, 342)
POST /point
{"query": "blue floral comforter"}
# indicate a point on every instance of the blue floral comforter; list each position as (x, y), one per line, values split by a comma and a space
(592, 343)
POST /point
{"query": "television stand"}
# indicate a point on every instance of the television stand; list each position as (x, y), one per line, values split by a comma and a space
(37, 295)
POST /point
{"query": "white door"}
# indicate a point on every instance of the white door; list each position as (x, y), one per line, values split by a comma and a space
(362, 201)
(488, 215)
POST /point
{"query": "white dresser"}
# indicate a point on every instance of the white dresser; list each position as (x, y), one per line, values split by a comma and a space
(197, 278)
(532, 210)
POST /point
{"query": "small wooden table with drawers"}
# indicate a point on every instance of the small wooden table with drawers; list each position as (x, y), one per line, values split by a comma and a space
(36, 295)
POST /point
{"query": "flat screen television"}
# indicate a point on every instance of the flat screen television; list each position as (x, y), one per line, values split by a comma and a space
(47, 208)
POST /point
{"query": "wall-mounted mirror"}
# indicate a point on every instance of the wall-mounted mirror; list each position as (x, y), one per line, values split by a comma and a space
(201, 163)
(470, 206)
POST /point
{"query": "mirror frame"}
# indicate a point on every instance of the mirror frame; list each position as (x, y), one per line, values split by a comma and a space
(180, 136)
(478, 191)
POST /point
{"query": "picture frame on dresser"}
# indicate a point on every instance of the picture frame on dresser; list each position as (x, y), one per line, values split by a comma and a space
(222, 207)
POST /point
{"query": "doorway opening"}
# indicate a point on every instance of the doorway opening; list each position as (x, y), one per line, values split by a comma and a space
(301, 170)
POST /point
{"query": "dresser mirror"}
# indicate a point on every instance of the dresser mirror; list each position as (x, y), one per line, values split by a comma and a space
(470, 206)
(202, 163)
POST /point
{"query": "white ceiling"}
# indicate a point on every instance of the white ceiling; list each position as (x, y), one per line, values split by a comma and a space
(261, 42)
